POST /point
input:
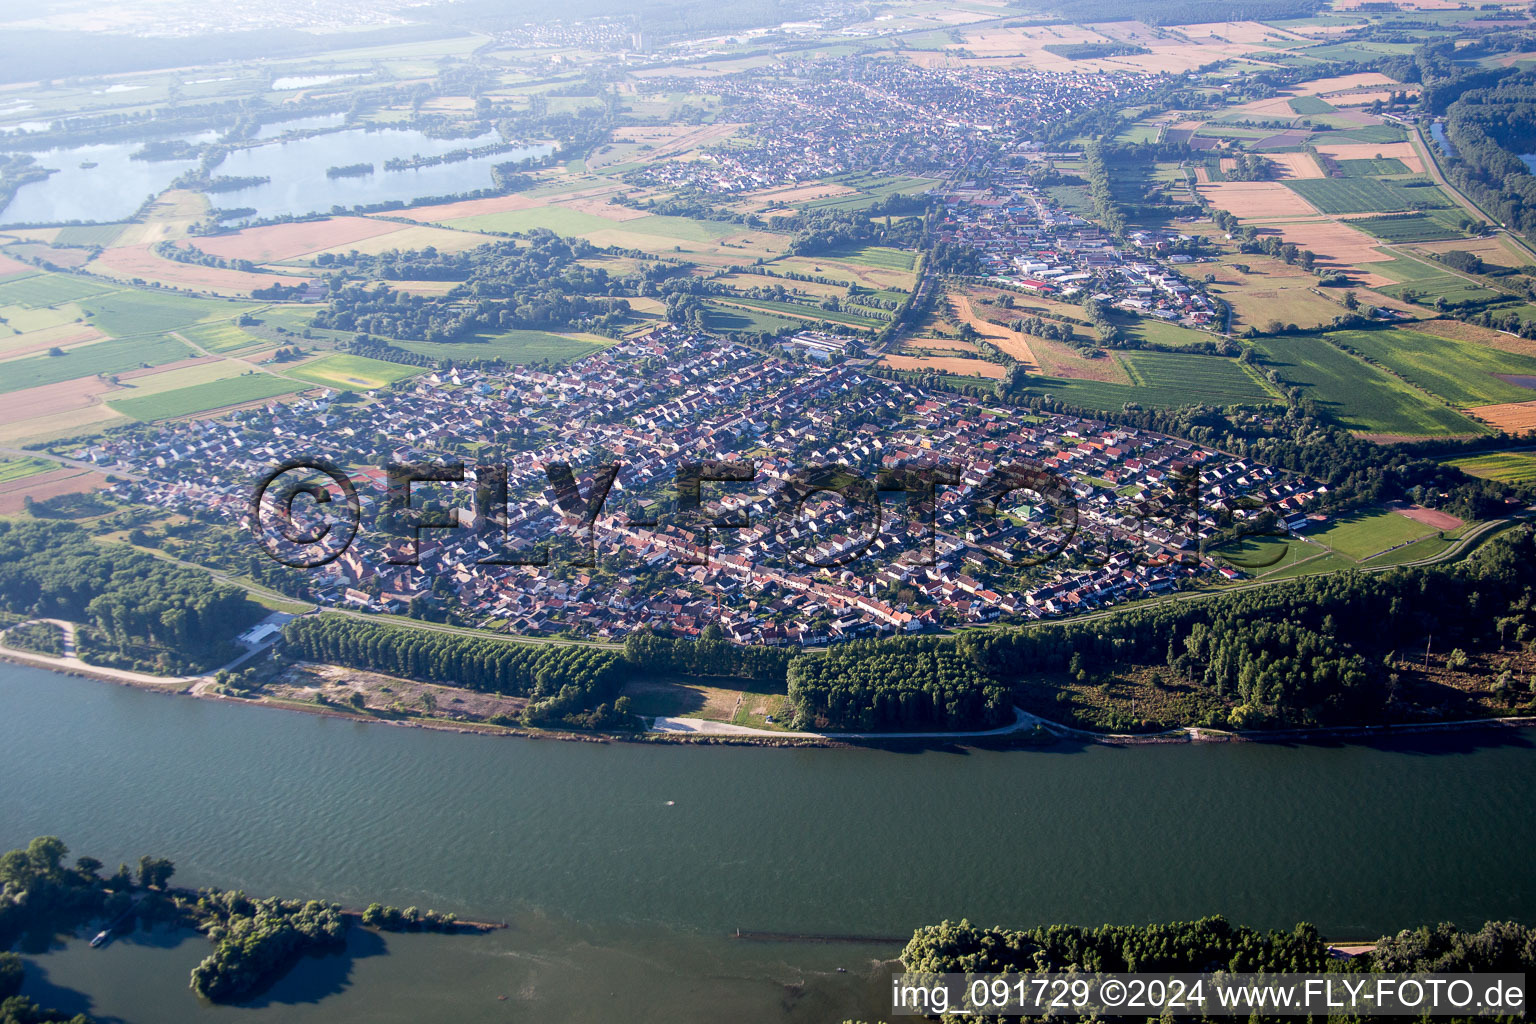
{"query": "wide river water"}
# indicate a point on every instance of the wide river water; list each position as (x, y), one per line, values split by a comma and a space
(625, 869)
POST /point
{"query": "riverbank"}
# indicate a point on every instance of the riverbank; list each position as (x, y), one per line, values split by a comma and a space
(1027, 729)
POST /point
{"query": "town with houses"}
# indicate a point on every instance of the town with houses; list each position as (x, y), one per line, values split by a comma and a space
(1104, 514)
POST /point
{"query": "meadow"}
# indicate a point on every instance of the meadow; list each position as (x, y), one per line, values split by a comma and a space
(352, 373)
(1357, 395)
(1372, 167)
(1459, 372)
(199, 398)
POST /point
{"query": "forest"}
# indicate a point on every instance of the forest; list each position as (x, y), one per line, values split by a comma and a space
(503, 286)
(140, 610)
(569, 686)
(1313, 652)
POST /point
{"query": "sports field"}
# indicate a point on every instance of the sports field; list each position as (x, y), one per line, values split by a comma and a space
(1365, 534)
(352, 373)
(1357, 395)
(198, 398)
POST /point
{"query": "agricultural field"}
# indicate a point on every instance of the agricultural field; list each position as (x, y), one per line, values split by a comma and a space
(804, 310)
(125, 313)
(104, 357)
(869, 188)
(735, 319)
(1462, 373)
(515, 347)
(49, 290)
(1160, 380)
(1310, 105)
(1365, 195)
(200, 398)
(1372, 167)
(1505, 467)
(1359, 396)
(878, 256)
(351, 373)
(220, 337)
(19, 469)
(1412, 227)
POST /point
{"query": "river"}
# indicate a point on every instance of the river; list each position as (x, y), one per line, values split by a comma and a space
(112, 185)
(626, 868)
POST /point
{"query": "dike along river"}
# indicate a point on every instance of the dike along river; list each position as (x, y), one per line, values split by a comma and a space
(624, 870)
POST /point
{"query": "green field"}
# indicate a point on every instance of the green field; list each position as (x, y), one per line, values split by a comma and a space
(1160, 332)
(89, 360)
(1372, 167)
(1162, 380)
(1365, 133)
(1365, 195)
(352, 373)
(1412, 227)
(1311, 105)
(16, 469)
(89, 234)
(1505, 467)
(1455, 290)
(801, 309)
(1362, 535)
(49, 289)
(575, 223)
(1459, 372)
(876, 256)
(143, 312)
(220, 337)
(516, 347)
(216, 394)
(872, 186)
(1357, 395)
(729, 318)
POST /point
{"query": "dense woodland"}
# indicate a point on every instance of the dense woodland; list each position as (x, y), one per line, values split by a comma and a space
(1316, 651)
(504, 286)
(258, 939)
(139, 610)
(567, 685)
(1210, 944)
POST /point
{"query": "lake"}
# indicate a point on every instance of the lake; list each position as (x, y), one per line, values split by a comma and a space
(626, 869)
(118, 185)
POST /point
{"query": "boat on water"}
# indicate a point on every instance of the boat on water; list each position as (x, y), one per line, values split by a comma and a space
(102, 938)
